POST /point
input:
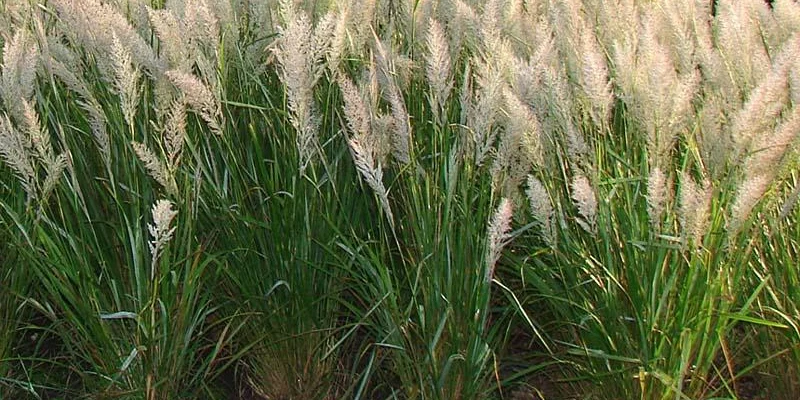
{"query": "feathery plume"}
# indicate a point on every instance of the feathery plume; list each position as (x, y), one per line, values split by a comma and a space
(715, 146)
(515, 20)
(63, 64)
(541, 207)
(97, 122)
(557, 114)
(766, 102)
(617, 20)
(538, 92)
(791, 201)
(372, 173)
(126, 80)
(490, 30)
(155, 168)
(677, 27)
(594, 79)
(338, 43)
(298, 51)
(160, 230)
(762, 167)
(321, 41)
(528, 75)
(577, 149)
(770, 149)
(174, 132)
(199, 97)
(694, 208)
(40, 139)
(484, 106)
(227, 24)
(498, 235)
(363, 144)
(465, 100)
(523, 122)
(747, 196)
(53, 171)
(20, 56)
(739, 39)
(15, 149)
(624, 60)
(423, 12)
(355, 110)
(566, 18)
(519, 146)
(438, 68)
(201, 24)
(463, 26)
(395, 17)
(362, 20)
(136, 12)
(170, 32)
(402, 136)
(27, 147)
(586, 202)
(376, 131)
(659, 191)
(794, 84)
(657, 96)
(787, 14)
(93, 24)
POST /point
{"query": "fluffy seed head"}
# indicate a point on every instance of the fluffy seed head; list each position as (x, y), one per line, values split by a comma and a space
(659, 189)
(694, 208)
(401, 139)
(438, 69)
(155, 168)
(174, 132)
(299, 52)
(160, 230)
(199, 97)
(40, 139)
(484, 106)
(93, 24)
(372, 173)
(20, 56)
(585, 200)
(541, 207)
(762, 167)
(97, 122)
(126, 79)
(171, 39)
(498, 235)
(15, 149)
(355, 110)
(594, 79)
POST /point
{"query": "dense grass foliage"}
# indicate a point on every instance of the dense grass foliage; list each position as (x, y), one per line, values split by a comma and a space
(437, 199)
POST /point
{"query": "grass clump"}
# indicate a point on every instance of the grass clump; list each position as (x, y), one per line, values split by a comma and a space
(359, 199)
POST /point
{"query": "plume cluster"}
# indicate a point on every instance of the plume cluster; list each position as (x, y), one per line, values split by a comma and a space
(20, 58)
(25, 145)
(364, 143)
(200, 98)
(299, 52)
(712, 95)
(93, 25)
